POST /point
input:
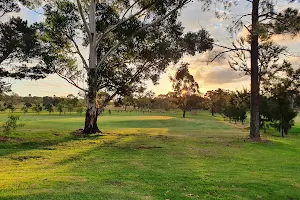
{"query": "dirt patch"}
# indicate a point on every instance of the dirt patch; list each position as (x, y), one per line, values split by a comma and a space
(48, 148)
(257, 140)
(22, 158)
(164, 138)
(113, 182)
(3, 139)
(297, 185)
(80, 133)
(148, 147)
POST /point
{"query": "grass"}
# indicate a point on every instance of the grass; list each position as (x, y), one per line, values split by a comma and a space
(146, 156)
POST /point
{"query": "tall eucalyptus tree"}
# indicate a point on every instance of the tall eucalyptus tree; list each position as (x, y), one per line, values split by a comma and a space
(127, 43)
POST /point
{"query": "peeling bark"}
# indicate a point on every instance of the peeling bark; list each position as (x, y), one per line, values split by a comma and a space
(91, 115)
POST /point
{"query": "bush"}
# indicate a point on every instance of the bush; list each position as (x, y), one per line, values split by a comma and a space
(11, 124)
(37, 108)
(24, 109)
(60, 108)
(79, 110)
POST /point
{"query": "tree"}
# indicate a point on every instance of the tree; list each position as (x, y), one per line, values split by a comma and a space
(134, 41)
(7, 6)
(13, 99)
(184, 87)
(164, 102)
(236, 106)
(19, 44)
(79, 110)
(28, 105)
(2, 108)
(37, 108)
(216, 100)
(70, 107)
(49, 108)
(11, 107)
(24, 109)
(281, 93)
(60, 108)
(264, 23)
(271, 72)
(127, 101)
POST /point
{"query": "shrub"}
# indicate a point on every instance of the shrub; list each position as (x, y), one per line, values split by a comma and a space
(11, 124)
(60, 108)
(24, 109)
(79, 110)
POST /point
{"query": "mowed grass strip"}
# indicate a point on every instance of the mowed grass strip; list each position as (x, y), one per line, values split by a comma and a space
(146, 156)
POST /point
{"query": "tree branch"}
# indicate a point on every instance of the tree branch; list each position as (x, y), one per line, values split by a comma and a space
(139, 30)
(228, 50)
(130, 81)
(232, 49)
(113, 27)
(70, 81)
(130, 7)
(86, 26)
(78, 52)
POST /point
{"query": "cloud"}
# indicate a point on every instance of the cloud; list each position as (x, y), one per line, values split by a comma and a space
(201, 61)
(222, 76)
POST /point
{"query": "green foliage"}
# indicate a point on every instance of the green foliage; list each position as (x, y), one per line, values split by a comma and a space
(148, 48)
(287, 21)
(60, 108)
(79, 110)
(28, 105)
(11, 124)
(70, 108)
(7, 6)
(278, 109)
(24, 109)
(37, 108)
(236, 106)
(21, 46)
(215, 100)
(49, 108)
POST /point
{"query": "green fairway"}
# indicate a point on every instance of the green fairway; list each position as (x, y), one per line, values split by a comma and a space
(146, 156)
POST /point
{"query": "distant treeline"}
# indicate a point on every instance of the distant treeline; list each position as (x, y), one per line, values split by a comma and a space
(37, 104)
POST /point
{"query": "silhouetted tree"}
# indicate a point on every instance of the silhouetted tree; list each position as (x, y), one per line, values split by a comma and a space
(184, 87)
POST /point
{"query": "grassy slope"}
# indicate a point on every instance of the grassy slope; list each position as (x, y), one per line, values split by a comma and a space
(146, 156)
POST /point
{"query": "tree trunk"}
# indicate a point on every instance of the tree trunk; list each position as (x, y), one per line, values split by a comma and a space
(213, 109)
(91, 116)
(92, 113)
(184, 112)
(282, 130)
(254, 119)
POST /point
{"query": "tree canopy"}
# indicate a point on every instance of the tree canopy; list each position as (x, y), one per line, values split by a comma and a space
(129, 43)
(21, 53)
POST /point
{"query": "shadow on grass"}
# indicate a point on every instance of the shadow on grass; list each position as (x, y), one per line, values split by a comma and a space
(7, 148)
(181, 123)
(84, 195)
(10, 148)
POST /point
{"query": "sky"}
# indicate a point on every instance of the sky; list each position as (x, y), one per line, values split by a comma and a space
(209, 76)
